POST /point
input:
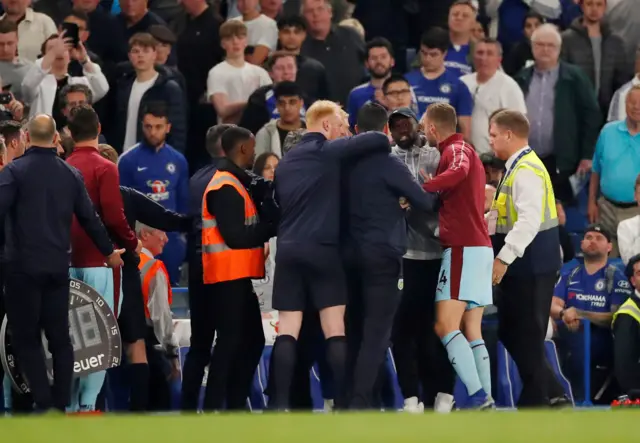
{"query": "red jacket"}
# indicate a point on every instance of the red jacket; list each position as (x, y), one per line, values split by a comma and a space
(460, 180)
(103, 185)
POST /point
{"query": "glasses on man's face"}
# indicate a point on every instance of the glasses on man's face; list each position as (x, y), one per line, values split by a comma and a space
(397, 94)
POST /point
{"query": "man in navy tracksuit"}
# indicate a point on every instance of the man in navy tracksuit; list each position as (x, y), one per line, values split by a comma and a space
(159, 171)
(308, 262)
(376, 240)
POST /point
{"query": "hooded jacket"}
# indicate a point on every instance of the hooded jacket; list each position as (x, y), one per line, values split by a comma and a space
(614, 69)
(421, 243)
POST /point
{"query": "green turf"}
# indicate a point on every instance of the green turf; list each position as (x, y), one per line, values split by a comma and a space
(468, 427)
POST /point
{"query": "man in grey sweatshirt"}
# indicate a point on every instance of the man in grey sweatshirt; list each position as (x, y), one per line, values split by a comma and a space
(419, 355)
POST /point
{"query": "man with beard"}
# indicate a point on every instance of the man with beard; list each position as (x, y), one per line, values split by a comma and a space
(592, 290)
(419, 355)
(379, 63)
(159, 171)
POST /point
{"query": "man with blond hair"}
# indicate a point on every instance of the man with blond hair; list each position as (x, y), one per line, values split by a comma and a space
(308, 264)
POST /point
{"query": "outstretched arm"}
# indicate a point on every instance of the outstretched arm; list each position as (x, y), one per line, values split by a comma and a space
(357, 146)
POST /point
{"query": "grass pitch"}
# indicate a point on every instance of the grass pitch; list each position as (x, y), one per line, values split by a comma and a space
(472, 427)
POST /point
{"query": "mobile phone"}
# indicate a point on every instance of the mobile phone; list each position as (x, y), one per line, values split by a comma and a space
(5, 98)
(71, 31)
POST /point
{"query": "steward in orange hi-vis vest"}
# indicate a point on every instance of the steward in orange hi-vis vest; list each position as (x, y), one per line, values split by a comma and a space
(149, 266)
(220, 263)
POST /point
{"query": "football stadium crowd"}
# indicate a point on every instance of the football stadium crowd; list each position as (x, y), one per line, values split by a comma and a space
(169, 153)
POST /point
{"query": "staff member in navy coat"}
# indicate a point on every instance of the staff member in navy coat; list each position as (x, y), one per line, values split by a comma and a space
(39, 194)
(308, 262)
(376, 240)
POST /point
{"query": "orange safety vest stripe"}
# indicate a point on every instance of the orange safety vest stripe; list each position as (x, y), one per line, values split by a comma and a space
(147, 274)
(219, 262)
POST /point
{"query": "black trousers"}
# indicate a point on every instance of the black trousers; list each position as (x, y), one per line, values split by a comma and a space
(36, 302)
(232, 310)
(523, 315)
(418, 352)
(373, 300)
(159, 378)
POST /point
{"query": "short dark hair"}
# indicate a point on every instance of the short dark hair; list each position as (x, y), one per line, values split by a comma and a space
(436, 38)
(394, 78)
(80, 15)
(232, 136)
(511, 120)
(379, 42)
(213, 137)
(629, 268)
(287, 89)
(292, 21)
(534, 14)
(158, 109)
(142, 39)
(83, 123)
(10, 130)
(372, 117)
(43, 47)
(74, 87)
(7, 26)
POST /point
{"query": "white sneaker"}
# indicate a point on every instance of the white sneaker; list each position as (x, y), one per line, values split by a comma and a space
(328, 405)
(444, 403)
(412, 406)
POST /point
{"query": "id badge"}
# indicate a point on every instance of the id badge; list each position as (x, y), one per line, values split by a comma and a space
(492, 218)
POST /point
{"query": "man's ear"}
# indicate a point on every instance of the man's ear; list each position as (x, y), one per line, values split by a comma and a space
(168, 127)
(357, 129)
(99, 129)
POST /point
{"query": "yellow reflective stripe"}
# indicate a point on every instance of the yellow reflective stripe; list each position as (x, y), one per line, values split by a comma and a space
(629, 308)
(224, 178)
(147, 266)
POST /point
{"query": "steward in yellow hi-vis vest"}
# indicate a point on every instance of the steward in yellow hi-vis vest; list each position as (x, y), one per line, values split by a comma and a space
(543, 253)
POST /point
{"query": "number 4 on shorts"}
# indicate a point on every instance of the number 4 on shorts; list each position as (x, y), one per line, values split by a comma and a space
(443, 279)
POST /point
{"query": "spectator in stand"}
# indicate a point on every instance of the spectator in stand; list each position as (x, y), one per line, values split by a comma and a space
(231, 83)
(628, 231)
(626, 334)
(159, 171)
(312, 77)
(33, 27)
(261, 106)
(520, 55)
(379, 63)
(592, 290)
(338, 48)
(624, 17)
(462, 18)
(81, 20)
(591, 44)
(107, 37)
(198, 50)
(617, 109)
(434, 83)
(262, 32)
(135, 91)
(397, 93)
(562, 109)
(492, 89)
(44, 81)
(271, 8)
(615, 169)
(135, 17)
(76, 94)
(101, 180)
(477, 32)
(289, 103)
(166, 39)
(13, 68)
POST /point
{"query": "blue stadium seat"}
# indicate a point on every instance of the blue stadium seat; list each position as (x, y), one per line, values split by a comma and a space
(509, 382)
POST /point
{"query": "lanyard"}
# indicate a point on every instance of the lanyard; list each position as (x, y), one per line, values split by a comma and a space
(511, 169)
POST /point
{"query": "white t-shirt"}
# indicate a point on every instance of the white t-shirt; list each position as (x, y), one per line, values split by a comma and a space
(236, 83)
(261, 31)
(137, 91)
(501, 91)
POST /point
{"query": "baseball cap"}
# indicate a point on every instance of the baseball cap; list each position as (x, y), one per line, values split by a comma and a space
(162, 34)
(404, 112)
(597, 227)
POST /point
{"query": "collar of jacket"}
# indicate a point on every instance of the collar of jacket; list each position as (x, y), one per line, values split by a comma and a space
(578, 26)
(32, 150)
(228, 166)
(527, 73)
